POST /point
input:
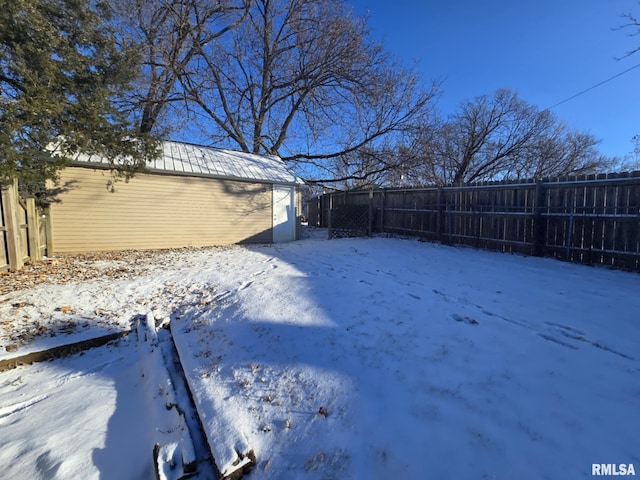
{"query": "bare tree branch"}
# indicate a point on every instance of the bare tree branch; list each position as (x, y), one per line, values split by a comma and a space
(171, 34)
(632, 28)
(301, 79)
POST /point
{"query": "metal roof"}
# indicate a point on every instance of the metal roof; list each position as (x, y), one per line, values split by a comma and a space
(197, 160)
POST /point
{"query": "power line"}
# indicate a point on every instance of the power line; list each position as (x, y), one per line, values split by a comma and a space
(594, 86)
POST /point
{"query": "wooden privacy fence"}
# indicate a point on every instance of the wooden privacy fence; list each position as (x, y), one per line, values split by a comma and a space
(22, 235)
(594, 220)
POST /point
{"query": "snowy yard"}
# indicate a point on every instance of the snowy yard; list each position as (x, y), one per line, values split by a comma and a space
(355, 358)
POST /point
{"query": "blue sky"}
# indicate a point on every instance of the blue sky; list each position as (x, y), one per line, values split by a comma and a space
(546, 50)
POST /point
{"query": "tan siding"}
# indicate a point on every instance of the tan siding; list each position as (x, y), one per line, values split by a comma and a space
(158, 211)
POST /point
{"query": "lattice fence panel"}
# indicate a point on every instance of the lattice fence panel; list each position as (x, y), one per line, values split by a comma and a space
(349, 221)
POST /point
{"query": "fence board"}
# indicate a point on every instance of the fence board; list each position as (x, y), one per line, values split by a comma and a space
(4, 256)
(33, 232)
(23, 225)
(9, 196)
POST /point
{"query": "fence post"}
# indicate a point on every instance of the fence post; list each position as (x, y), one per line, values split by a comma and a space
(10, 207)
(570, 233)
(539, 224)
(382, 210)
(329, 215)
(320, 213)
(440, 206)
(370, 222)
(33, 225)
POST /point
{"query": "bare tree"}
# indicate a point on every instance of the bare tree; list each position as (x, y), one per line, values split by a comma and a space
(631, 161)
(563, 152)
(631, 26)
(488, 134)
(503, 137)
(170, 34)
(301, 79)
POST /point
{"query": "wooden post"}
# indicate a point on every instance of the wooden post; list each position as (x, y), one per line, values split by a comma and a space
(539, 223)
(439, 217)
(10, 207)
(569, 237)
(329, 215)
(33, 226)
(370, 222)
(382, 210)
(324, 218)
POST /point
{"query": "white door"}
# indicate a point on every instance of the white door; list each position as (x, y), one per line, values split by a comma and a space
(284, 223)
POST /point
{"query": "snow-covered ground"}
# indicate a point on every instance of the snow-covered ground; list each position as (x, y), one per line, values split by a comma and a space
(353, 358)
(64, 419)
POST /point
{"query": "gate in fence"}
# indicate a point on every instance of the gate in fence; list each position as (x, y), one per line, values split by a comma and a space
(22, 235)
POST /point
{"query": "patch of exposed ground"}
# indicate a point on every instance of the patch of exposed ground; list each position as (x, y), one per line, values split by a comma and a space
(30, 309)
(66, 269)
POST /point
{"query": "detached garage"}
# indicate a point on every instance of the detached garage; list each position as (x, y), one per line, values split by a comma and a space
(191, 196)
